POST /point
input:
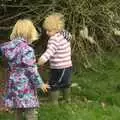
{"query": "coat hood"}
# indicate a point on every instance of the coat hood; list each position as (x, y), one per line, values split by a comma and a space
(11, 49)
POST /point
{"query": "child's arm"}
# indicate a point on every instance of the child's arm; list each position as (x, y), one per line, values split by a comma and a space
(51, 49)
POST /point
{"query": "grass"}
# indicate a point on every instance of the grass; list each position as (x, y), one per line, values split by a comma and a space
(90, 111)
(81, 111)
(97, 96)
(101, 83)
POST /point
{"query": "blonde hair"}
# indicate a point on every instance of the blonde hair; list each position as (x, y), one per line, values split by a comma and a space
(24, 28)
(54, 21)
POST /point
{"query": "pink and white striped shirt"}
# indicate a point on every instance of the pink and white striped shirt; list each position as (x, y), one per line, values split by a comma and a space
(58, 52)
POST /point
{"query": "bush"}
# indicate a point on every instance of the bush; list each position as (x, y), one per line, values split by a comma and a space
(91, 22)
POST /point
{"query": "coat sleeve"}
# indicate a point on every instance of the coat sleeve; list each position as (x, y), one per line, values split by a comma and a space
(0, 56)
(29, 62)
(0, 52)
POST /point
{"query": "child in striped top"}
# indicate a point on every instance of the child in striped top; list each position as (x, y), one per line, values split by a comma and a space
(58, 53)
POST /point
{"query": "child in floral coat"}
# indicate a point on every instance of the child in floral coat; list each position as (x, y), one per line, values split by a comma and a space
(24, 78)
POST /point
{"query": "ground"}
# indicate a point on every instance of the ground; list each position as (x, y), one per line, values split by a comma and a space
(95, 95)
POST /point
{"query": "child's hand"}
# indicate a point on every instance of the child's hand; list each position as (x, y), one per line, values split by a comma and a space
(41, 61)
(45, 87)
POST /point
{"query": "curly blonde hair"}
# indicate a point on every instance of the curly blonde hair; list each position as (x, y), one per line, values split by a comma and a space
(54, 21)
(24, 28)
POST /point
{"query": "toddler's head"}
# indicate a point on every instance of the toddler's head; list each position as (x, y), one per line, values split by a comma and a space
(24, 28)
(54, 23)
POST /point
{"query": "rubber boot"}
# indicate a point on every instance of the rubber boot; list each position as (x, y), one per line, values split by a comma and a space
(18, 114)
(66, 95)
(31, 114)
(54, 95)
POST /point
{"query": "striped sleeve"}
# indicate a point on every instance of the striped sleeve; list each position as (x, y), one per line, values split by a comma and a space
(51, 49)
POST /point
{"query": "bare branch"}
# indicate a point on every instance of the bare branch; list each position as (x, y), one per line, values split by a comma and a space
(12, 17)
(6, 28)
(25, 6)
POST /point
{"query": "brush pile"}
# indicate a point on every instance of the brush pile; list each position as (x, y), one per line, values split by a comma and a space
(94, 24)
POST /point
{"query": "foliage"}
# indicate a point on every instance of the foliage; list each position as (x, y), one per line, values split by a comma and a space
(100, 17)
(82, 111)
(96, 97)
(101, 83)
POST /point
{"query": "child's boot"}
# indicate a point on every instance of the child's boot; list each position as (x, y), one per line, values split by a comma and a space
(18, 114)
(54, 95)
(66, 95)
(31, 114)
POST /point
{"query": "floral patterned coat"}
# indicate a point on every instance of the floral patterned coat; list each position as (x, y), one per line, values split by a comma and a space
(23, 74)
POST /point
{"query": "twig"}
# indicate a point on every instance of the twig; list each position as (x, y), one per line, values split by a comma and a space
(6, 28)
(24, 6)
(12, 17)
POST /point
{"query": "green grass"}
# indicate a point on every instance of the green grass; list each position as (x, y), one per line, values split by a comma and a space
(90, 111)
(81, 111)
(102, 83)
(97, 96)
